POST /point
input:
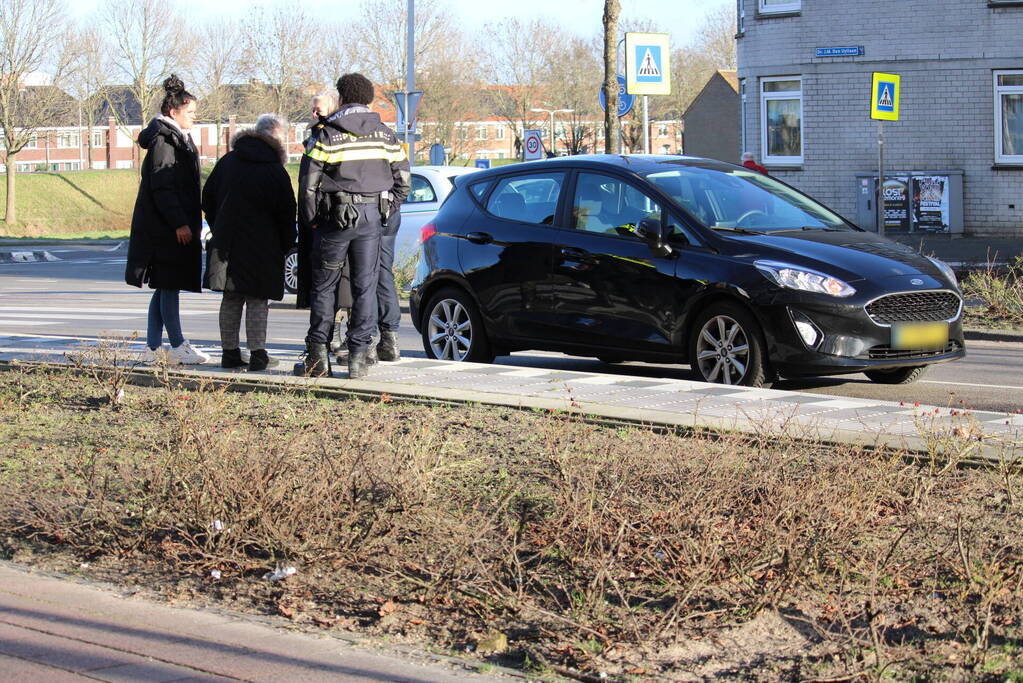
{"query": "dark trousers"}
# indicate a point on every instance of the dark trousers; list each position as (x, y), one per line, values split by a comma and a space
(388, 307)
(360, 246)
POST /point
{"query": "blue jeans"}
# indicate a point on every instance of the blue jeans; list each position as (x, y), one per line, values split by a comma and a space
(163, 313)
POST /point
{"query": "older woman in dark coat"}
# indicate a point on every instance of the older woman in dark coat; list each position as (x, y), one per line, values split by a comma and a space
(164, 250)
(250, 206)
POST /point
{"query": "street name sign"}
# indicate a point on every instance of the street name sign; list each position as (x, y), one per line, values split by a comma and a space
(884, 96)
(853, 51)
(647, 64)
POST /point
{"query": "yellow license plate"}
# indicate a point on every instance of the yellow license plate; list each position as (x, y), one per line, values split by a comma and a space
(923, 336)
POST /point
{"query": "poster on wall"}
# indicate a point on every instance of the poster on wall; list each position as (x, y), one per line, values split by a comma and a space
(930, 203)
(896, 204)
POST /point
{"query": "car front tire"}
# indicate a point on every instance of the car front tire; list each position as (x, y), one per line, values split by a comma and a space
(453, 328)
(896, 376)
(727, 348)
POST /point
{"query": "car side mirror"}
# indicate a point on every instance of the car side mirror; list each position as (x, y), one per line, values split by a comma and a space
(651, 230)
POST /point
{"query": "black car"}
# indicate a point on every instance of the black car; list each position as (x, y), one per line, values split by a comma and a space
(676, 260)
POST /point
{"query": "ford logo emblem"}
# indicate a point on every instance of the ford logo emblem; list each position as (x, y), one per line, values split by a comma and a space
(916, 281)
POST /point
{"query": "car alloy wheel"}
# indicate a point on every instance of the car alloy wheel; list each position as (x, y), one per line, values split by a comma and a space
(453, 329)
(726, 347)
(291, 271)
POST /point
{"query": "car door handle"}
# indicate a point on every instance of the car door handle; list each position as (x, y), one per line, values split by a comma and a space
(574, 252)
(479, 237)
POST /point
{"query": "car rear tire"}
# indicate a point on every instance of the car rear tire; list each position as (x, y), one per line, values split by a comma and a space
(727, 347)
(291, 272)
(453, 328)
(896, 376)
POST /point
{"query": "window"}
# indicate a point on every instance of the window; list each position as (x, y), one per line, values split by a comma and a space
(527, 198)
(740, 17)
(662, 131)
(481, 133)
(67, 140)
(777, 6)
(742, 115)
(1009, 117)
(98, 138)
(781, 120)
(33, 142)
(499, 133)
(422, 191)
(610, 206)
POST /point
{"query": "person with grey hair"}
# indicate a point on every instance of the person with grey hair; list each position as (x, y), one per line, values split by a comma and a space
(751, 163)
(250, 206)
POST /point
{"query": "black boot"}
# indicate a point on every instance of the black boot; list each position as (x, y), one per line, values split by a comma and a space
(231, 358)
(371, 353)
(316, 362)
(261, 360)
(388, 349)
(358, 363)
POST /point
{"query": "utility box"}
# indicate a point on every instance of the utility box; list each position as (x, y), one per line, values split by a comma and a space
(926, 202)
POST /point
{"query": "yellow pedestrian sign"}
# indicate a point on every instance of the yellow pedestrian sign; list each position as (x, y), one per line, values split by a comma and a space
(647, 64)
(884, 97)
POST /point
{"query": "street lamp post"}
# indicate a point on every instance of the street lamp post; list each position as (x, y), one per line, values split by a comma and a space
(552, 112)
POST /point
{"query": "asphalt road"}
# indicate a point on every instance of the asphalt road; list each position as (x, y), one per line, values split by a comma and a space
(84, 295)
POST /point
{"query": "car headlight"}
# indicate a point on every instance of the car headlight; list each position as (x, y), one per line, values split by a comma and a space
(946, 269)
(795, 277)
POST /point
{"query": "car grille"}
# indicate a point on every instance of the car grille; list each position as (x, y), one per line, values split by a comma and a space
(888, 353)
(914, 307)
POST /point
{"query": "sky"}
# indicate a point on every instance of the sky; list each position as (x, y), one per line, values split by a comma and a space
(678, 18)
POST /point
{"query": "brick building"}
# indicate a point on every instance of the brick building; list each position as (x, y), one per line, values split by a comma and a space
(961, 64)
(712, 119)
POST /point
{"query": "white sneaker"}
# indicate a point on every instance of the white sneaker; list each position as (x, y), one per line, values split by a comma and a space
(152, 356)
(186, 354)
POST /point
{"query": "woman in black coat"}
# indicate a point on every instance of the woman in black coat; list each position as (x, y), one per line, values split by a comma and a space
(250, 206)
(164, 250)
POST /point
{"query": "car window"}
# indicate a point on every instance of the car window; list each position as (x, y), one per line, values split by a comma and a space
(742, 198)
(479, 189)
(527, 198)
(610, 206)
(422, 191)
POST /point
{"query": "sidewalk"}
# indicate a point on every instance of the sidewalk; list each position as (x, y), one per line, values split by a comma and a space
(55, 629)
(663, 403)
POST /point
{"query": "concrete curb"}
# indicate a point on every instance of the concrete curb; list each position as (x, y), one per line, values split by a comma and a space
(983, 334)
(31, 243)
(988, 450)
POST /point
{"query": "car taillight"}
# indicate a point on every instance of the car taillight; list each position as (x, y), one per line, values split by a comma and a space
(426, 232)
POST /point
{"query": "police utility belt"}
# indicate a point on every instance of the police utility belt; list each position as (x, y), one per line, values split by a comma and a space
(339, 209)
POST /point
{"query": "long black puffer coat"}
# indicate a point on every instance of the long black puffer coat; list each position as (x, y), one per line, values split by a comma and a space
(250, 206)
(168, 198)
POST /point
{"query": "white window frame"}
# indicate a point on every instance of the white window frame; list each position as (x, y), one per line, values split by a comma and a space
(792, 6)
(999, 90)
(784, 95)
(743, 112)
(97, 139)
(481, 133)
(499, 133)
(740, 17)
(64, 137)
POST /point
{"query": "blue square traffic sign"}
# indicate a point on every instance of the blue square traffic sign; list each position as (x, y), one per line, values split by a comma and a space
(885, 96)
(650, 69)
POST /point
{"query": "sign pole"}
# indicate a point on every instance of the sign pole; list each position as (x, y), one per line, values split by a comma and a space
(410, 81)
(880, 177)
(646, 124)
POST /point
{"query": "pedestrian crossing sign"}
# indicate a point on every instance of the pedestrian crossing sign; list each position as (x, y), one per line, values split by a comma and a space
(884, 97)
(647, 64)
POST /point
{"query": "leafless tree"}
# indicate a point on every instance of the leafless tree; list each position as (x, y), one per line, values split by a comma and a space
(519, 67)
(612, 9)
(280, 53)
(148, 41)
(24, 50)
(576, 81)
(215, 67)
(717, 37)
(89, 72)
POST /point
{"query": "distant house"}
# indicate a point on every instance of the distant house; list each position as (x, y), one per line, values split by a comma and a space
(712, 120)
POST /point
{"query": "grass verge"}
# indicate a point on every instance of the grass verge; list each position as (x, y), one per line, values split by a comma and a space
(533, 539)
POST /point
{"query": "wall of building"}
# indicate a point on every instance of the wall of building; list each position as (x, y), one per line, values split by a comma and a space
(712, 122)
(944, 50)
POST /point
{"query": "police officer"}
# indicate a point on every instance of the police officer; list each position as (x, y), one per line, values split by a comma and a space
(354, 175)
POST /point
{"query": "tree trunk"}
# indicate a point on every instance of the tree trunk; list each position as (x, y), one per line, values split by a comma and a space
(10, 214)
(612, 144)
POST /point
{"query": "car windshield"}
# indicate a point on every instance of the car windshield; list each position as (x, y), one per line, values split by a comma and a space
(744, 200)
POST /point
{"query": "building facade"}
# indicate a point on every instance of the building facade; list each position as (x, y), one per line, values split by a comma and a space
(805, 68)
(712, 120)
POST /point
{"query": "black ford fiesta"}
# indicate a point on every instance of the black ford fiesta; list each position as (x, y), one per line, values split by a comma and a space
(676, 260)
